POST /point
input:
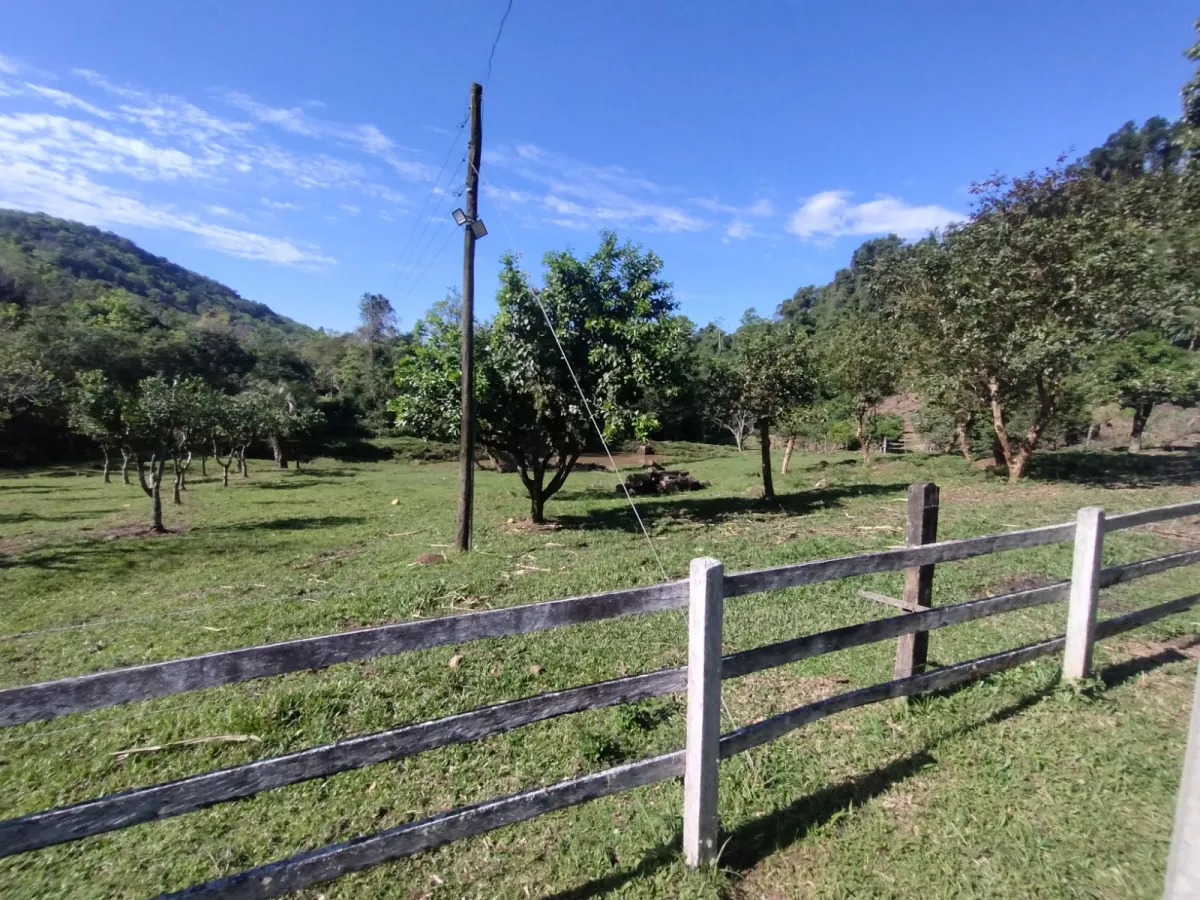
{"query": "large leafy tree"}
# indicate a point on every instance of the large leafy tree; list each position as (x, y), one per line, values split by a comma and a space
(1142, 371)
(537, 395)
(1011, 303)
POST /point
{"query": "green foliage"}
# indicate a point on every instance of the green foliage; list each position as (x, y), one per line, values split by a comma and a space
(1009, 305)
(612, 316)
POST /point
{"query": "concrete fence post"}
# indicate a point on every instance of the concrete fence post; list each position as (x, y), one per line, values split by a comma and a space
(702, 763)
(1085, 593)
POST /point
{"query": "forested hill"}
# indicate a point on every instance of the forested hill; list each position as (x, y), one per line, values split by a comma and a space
(46, 261)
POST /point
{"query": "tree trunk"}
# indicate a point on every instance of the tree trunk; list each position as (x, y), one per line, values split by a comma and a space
(125, 465)
(242, 463)
(737, 436)
(156, 475)
(787, 454)
(764, 439)
(107, 480)
(177, 500)
(1141, 415)
(537, 505)
(203, 468)
(278, 450)
(964, 443)
(864, 442)
(1001, 447)
(1087, 440)
(153, 489)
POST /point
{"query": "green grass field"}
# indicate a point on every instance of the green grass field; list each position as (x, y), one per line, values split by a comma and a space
(1011, 787)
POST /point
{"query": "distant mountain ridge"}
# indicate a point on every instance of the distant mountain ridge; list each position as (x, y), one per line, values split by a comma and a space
(46, 261)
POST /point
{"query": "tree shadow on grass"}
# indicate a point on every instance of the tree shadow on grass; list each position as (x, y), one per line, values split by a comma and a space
(750, 844)
(17, 518)
(294, 523)
(717, 509)
(1116, 468)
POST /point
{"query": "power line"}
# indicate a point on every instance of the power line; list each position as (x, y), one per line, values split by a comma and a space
(429, 265)
(495, 43)
(586, 405)
(408, 258)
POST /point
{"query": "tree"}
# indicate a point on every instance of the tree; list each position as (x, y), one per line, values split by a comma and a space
(1010, 304)
(861, 358)
(95, 413)
(720, 391)
(612, 316)
(776, 370)
(1142, 371)
(159, 417)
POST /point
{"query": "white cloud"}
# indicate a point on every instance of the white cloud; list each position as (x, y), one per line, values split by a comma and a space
(68, 100)
(277, 204)
(590, 196)
(8, 65)
(831, 214)
(350, 209)
(385, 193)
(739, 227)
(367, 138)
(25, 185)
(62, 144)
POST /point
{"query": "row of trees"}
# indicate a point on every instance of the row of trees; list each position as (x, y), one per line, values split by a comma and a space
(1065, 289)
(173, 420)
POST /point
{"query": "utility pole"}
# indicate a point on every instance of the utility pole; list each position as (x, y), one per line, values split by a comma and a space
(466, 451)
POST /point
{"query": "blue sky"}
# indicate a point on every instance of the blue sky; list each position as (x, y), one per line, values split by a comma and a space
(294, 150)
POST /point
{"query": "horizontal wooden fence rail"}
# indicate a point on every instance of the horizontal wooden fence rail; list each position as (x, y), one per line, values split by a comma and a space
(327, 863)
(173, 798)
(50, 699)
(120, 810)
(1147, 516)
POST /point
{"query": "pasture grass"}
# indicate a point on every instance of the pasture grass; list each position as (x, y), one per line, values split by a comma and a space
(1011, 787)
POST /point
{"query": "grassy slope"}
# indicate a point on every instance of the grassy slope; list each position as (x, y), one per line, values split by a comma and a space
(1012, 787)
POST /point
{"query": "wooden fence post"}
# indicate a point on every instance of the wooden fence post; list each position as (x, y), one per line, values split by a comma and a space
(1085, 592)
(701, 766)
(912, 650)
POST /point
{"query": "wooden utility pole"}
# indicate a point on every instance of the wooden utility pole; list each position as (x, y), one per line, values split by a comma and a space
(466, 450)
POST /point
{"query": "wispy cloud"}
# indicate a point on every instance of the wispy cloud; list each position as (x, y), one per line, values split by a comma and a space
(68, 100)
(831, 214)
(74, 196)
(368, 138)
(277, 204)
(586, 195)
(8, 65)
(740, 226)
(350, 209)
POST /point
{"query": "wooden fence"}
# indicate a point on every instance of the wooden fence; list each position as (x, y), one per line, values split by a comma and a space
(703, 593)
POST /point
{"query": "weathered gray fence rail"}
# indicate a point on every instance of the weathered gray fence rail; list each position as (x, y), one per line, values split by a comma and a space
(701, 679)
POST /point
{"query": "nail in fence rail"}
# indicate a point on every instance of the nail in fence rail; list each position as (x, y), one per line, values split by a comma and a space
(704, 748)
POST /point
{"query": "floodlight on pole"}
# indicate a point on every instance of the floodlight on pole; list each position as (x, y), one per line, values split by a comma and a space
(477, 226)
